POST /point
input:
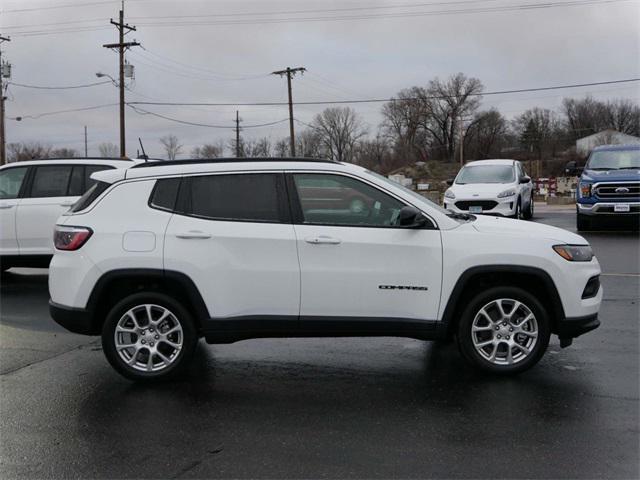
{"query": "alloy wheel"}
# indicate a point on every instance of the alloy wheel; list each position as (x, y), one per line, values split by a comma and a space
(148, 338)
(504, 331)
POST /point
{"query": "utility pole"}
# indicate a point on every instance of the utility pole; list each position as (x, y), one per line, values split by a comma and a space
(290, 72)
(123, 29)
(461, 142)
(238, 120)
(3, 151)
(86, 150)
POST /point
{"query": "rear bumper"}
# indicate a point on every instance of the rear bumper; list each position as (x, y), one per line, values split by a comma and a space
(76, 320)
(572, 327)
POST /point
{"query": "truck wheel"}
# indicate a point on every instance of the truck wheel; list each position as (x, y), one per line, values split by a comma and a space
(583, 222)
(504, 330)
(149, 336)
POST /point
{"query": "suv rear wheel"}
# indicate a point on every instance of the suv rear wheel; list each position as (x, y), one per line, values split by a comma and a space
(149, 336)
(503, 330)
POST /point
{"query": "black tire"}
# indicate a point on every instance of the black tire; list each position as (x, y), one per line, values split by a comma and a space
(465, 334)
(583, 223)
(528, 213)
(179, 314)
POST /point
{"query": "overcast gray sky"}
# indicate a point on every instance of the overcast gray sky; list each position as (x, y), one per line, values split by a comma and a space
(223, 51)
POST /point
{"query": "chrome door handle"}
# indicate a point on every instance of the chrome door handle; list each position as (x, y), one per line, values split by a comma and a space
(5, 207)
(193, 234)
(323, 239)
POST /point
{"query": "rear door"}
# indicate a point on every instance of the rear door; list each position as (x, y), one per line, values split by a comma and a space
(11, 183)
(357, 264)
(231, 234)
(52, 190)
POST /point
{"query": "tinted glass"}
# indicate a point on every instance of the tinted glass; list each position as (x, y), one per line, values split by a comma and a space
(486, 174)
(11, 181)
(248, 197)
(614, 159)
(77, 178)
(89, 196)
(51, 181)
(165, 193)
(337, 200)
(90, 169)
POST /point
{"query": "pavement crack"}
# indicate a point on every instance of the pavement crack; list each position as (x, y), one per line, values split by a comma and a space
(190, 466)
(51, 357)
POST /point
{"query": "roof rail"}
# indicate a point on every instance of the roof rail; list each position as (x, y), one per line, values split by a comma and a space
(231, 160)
(78, 158)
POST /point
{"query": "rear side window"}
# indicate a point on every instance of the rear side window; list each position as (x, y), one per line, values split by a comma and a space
(11, 181)
(51, 181)
(251, 197)
(164, 194)
(76, 187)
(89, 196)
(91, 169)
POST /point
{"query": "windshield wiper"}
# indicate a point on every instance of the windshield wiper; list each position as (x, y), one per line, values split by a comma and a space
(467, 217)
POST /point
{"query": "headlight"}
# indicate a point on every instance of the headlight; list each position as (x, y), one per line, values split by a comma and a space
(585, 190)
(507, 193)
(574, 253)
(449, 194)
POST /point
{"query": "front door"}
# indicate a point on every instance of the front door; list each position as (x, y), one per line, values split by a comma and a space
(357, 264)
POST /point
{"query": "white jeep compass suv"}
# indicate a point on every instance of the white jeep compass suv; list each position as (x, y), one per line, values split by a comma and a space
(156, 256)
(33, 194)
(494, 187)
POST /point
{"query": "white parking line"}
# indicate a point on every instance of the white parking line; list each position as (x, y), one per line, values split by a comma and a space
(620, 274)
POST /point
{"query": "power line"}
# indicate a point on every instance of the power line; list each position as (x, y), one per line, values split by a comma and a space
(41, 87)
(383, 100)
(142, 111)
(54, 7)
(57, 112)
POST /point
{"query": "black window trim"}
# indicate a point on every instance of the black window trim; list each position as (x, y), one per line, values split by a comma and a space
(296, 206)
(184, 208)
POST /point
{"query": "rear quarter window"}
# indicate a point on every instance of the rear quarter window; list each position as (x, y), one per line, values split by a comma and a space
(89, 197)
(164, 194)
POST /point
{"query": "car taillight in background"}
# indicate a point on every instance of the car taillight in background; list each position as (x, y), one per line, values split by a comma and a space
(70, 238)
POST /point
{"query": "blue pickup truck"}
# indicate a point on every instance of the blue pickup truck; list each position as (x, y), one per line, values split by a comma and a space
(609, 185)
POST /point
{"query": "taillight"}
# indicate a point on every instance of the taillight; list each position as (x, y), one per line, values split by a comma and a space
(70, 238)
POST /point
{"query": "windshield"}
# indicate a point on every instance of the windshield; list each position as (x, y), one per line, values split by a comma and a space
(614, 160)
(415, 195)
(486, 174)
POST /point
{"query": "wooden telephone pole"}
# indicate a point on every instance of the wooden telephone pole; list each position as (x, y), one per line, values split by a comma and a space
(3, 151)
(123, 29)
(237, 121)
(290, 72)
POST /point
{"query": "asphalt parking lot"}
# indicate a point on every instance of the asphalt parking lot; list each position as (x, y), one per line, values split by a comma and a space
(325, 408)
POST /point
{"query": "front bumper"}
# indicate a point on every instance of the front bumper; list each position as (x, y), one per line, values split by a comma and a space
(572, 327)
(608, 208)
(76, 320)
(503, 207)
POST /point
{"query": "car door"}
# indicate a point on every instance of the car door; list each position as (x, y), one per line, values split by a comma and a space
(11, 181)
(357, 264)
(231, 234)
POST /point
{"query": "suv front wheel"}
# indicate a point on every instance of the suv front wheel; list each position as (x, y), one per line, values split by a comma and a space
(149, 336)
(503, 330)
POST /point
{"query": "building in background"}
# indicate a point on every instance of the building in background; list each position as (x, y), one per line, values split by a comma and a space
(606, 137)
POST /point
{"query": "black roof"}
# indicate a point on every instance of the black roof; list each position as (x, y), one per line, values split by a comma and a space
(231, 160)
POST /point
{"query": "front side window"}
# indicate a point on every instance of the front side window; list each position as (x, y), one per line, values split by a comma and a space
(486, 174)
(249, 197)
(327, 199)
(51, 181)
(11, 181)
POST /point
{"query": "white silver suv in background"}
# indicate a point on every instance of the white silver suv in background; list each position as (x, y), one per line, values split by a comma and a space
(33, 194)
(155, 256)
(494, 187)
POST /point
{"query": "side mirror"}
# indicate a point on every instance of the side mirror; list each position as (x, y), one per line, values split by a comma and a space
(411, 217)
(525, 179)
(572, 169)
(450, 181)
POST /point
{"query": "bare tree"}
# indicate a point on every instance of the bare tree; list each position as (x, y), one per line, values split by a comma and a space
(281, 148)
(308, 144)
(109, 150)
(339, 129)
(171, 145)
(63, 153)
(17, 152)
(624, 116)
(375, 154)
(209, 150)
(403, 124)
(539, 131)
(485, 134)
(260, 147)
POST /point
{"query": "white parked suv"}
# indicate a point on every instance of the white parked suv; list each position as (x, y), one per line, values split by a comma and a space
(33, 194)
(155, 256)
(494, 187)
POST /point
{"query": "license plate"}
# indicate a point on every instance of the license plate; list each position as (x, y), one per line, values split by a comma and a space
(621, 207)
(476, 209)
